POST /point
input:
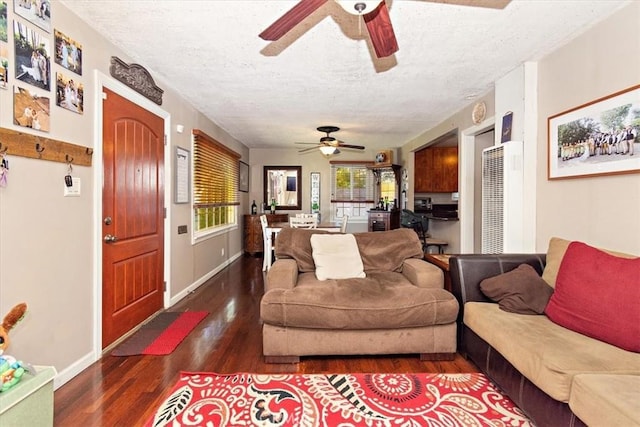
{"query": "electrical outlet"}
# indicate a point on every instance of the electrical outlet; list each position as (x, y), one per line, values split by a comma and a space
(74, 189)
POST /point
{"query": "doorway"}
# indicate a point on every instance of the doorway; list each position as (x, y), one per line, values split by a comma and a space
(473, 141)
(130, 207)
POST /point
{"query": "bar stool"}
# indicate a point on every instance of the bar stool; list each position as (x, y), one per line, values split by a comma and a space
(440, 244)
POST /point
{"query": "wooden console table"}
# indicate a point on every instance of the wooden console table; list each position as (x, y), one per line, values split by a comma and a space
(442, 261)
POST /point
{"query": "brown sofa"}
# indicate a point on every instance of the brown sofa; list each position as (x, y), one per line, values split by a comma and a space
(558, 377)
(400, 307)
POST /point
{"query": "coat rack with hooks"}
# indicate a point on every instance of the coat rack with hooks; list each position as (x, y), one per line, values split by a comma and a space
(15, 143)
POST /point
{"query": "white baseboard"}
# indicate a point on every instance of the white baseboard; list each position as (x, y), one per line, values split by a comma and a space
(84, 362)
(69, 373)
(195, 285)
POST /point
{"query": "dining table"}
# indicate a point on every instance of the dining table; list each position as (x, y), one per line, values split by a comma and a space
(271, 232)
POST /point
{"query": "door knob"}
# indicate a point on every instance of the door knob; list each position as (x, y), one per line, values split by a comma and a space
(110, 239)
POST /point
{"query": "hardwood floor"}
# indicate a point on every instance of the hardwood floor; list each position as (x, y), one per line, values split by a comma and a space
(125, 391)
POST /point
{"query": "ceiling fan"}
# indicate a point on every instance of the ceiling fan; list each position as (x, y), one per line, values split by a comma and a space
(374, 13)
(328, 145)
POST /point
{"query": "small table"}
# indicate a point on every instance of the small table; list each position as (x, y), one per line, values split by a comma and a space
(273, 230)
(441, 261)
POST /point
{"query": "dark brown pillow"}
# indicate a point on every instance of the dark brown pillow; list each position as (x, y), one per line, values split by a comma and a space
(520, 290)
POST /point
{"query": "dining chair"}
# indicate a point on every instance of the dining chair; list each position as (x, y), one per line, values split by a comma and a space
(265, 259)
(343, 225)
(303, 222)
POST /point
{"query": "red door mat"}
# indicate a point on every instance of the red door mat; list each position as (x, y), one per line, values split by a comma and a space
(161, 335)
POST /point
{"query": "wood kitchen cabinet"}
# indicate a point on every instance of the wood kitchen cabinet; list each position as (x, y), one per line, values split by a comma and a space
(253, 241)
(436, 170)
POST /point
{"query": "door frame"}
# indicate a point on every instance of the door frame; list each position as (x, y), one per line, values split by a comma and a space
(102, 80)
(466, 153)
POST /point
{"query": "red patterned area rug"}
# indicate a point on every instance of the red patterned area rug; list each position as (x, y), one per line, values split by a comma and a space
(408, 400)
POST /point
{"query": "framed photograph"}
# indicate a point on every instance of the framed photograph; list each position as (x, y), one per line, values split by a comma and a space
(182, 175)
(597, 138)
(315, 192)
(507, 121)
(4, 65)
(68, 52)
(243, 177)
(3, 21)
(32, 50)
(37, 12)
(30, 110)
(69, 94)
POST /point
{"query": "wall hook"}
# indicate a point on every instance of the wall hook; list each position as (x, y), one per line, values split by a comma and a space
(69, 159)
(39, 148)
(3, 151)
(89, 151)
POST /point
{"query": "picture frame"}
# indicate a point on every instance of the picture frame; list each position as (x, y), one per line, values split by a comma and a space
(601, 137)
(69, 93)
(67, 52)
(38, 13)
(243, 177)
(31, 56)
(507, 122)
(182, 175)
(31, 110)
(314, 199)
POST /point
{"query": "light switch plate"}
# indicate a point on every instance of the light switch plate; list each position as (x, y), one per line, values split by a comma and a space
(74, 190)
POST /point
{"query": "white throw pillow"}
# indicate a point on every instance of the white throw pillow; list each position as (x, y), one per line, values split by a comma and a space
(336, 256)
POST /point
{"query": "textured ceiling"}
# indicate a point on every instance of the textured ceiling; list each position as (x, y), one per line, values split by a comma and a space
(270, 94)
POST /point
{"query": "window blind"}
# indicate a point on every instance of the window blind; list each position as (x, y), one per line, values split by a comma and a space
(215, 173)
(352, 182)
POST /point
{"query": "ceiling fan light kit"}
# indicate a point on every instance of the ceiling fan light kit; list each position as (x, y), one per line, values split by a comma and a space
(328, 145)
(358, 7)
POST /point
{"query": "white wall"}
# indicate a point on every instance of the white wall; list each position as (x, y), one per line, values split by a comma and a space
(48, 243)
(312, 161)
(603, 210)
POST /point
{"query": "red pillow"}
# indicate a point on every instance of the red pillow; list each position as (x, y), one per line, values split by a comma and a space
(598, 295)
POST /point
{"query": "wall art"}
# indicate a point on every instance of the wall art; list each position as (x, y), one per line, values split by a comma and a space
(4, 65)
(32, 53)
(68, 52)
(31, 110)
(243, 177)
(69, 93)
(37, 12)
(3, 21)
(597, 138)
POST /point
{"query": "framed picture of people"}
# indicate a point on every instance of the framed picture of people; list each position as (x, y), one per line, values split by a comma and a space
(601, 137)
(32, 56)
(69, 93)
(37, 12)
(31, 110)
(4, 65)
(3, 22)
(68, 52)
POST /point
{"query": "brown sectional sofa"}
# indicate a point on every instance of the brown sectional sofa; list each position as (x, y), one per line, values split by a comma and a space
(558, 377)
(400, 307)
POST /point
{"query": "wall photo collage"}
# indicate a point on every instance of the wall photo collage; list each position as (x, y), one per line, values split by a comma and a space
(35, 45)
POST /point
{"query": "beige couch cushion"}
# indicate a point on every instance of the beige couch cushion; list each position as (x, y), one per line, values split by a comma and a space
(547, 354)
(382, 300)
(380, 250)
(606, 400)
(555, 253)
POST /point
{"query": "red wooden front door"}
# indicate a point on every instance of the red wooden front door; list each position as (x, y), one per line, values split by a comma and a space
(133, 216)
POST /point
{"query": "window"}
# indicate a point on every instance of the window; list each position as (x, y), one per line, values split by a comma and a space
(352, 190)
(215, 185)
